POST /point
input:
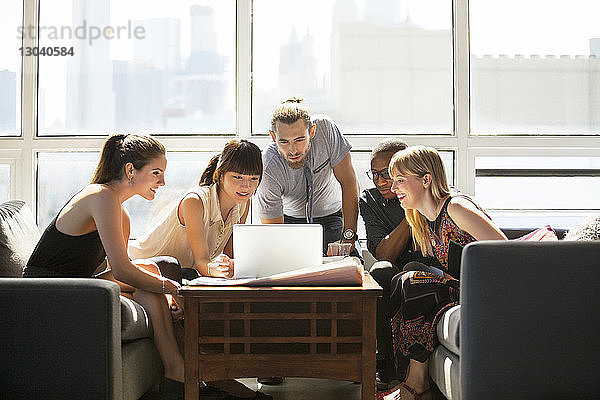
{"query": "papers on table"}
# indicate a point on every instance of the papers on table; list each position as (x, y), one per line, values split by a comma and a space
(345, 272)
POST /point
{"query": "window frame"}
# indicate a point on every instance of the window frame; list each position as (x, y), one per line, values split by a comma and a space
(466, 147)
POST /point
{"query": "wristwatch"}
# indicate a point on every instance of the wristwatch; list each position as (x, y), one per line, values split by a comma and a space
(349, 235)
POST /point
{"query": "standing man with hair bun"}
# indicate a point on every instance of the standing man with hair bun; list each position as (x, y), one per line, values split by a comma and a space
(308, 175)
(308, 178)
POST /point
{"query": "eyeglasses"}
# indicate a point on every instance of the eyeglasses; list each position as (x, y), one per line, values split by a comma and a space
(374, 175)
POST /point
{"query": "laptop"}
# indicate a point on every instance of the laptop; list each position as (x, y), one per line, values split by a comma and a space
(264, 250)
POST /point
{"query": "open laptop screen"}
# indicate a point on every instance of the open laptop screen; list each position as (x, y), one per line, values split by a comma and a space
(264, 250)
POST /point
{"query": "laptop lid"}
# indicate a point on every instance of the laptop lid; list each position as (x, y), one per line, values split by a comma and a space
(264, 250)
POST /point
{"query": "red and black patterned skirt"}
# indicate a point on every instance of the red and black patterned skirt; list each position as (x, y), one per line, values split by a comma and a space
(421, 294)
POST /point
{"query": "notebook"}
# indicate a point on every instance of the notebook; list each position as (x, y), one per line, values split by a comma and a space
(263, 250)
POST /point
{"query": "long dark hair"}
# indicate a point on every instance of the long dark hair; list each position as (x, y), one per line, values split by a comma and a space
(120, 149)
(239, 156)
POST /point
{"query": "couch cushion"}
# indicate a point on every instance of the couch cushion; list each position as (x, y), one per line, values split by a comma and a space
(142, 368)
(445, 372)
(448, 329)
(135, 322)
(18, 236)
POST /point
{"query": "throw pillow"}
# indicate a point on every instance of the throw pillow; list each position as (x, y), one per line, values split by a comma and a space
(541, 234)
(588, 229)
(18, 236)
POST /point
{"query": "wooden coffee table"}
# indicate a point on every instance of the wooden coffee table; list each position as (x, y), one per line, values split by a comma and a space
(313, 332)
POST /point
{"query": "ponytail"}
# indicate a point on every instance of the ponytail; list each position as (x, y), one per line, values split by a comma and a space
(209, 175)
(109, 159)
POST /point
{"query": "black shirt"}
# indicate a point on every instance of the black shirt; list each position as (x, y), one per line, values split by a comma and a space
(381, 217)
(66, 255)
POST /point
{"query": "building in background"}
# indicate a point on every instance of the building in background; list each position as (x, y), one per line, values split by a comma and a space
(90, 96)
(8, 101)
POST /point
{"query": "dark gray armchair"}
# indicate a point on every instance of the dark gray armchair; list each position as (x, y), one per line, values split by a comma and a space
(66, 338)
(530, 320)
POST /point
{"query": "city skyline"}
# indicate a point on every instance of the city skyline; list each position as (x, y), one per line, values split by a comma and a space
(206, 91)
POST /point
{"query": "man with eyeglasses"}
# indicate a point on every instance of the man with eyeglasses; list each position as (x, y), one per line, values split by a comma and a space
(308, 175)
(389, 241)
(388, 232)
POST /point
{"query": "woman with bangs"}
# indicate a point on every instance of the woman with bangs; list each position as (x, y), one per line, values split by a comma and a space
(442, 222)
(198, 230)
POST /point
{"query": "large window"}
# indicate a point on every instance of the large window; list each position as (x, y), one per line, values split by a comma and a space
(11, 33)
(534, 191)
(376, 67)
(509, 91)
(535, 67)
(138, 65)
(538, 75)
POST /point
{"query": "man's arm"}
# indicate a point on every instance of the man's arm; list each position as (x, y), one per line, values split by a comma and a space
(344, 173)
(278, 220)
(384, 241)
(393, 244)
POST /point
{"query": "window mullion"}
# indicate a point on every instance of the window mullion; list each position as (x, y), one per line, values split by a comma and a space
(244, 67)
(465, 174)
(25, 176)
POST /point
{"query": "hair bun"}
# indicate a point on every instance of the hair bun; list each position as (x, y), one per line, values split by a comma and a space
(293, 100)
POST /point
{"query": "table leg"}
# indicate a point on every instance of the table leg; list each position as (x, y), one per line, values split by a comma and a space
(368, 387)
(192, 377)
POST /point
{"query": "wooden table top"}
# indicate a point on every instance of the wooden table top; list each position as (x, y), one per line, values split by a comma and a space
(369, 288)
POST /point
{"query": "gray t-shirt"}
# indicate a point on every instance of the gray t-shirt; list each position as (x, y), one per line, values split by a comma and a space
(282, 189)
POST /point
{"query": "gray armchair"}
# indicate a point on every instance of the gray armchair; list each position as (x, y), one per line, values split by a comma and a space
(63, 338)
(530, 320)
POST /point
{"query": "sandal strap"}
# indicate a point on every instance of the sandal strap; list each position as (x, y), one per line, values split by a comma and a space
(416, 396)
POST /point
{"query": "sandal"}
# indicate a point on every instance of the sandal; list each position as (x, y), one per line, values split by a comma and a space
(402, 392)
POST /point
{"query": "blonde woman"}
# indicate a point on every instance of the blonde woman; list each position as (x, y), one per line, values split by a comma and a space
(442, 222)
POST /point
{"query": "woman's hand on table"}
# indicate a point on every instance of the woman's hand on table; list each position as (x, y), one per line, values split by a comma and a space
(221, 267)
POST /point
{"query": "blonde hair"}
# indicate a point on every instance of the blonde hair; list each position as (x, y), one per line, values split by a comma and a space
(419, 161)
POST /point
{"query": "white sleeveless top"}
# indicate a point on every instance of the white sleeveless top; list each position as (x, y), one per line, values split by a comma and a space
(169, 238)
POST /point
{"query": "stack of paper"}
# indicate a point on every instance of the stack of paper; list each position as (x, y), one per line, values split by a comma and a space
(345, 272)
